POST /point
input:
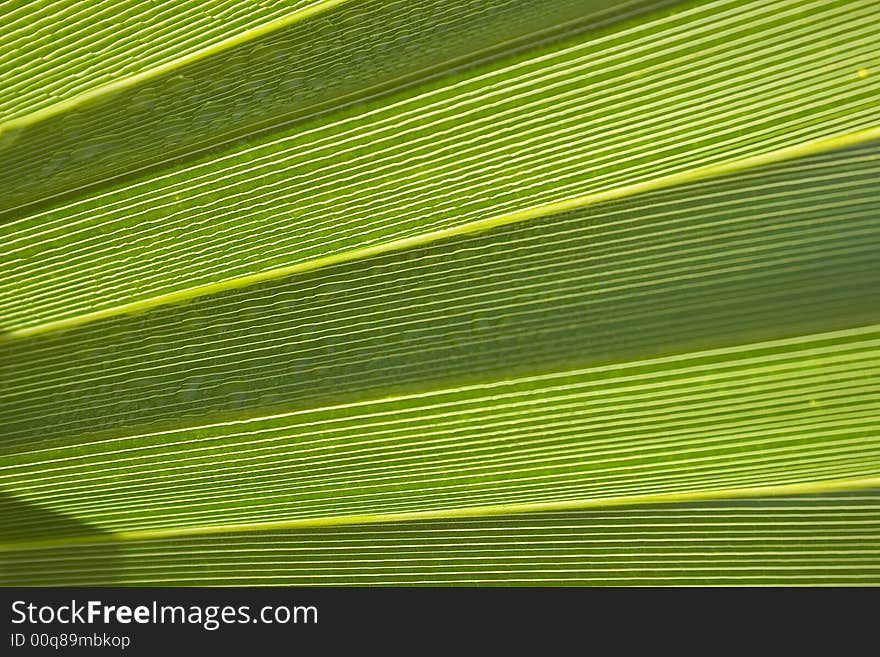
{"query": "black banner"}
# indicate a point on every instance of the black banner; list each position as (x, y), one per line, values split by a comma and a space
(171, 621)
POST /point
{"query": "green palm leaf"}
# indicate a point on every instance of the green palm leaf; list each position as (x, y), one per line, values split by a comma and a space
(581, 294)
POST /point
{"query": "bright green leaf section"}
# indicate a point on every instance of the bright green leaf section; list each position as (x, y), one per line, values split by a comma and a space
(815, 540)
(770, 253)
(315, 56)
(53, 50)
(712, 83)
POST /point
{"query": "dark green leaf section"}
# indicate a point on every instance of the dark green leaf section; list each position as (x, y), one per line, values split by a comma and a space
(815, 540)
(328, 54)
(780, 251)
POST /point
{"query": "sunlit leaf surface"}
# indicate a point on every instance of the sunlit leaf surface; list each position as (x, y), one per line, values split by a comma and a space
(468, 292)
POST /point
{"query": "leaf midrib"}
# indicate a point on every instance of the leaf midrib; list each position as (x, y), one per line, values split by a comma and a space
(538, 212)
(813, 487)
